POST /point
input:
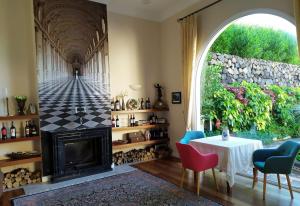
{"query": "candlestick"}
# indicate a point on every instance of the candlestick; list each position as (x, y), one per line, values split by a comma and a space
(6, 92)
(7, 107)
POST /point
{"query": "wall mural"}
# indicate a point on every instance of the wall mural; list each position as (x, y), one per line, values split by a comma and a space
(72, 64)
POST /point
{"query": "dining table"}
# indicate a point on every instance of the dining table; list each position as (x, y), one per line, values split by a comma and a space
(234, 154)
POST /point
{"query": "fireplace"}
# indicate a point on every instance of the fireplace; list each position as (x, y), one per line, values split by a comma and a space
(70, 154)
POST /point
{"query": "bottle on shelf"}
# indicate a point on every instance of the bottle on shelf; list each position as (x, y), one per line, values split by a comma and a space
(33, 129)
(112, 104)
(13, 131)
(3, 132)
(123, 104)
(117, 105)
(113, 122)
(133, 121)
(153, 118)
(142, 104)
(148, 104)
(129, 120)
(27, 130)
(117, 121)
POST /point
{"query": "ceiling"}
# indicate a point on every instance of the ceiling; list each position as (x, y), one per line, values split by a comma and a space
(156, 10)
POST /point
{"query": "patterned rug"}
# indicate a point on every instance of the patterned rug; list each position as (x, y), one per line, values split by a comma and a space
(135, 188)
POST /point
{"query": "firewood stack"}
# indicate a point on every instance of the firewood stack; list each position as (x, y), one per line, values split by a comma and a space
(20, 177)
(134, 156)
(139, 155)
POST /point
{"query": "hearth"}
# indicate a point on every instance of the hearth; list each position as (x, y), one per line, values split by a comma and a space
(70, 154)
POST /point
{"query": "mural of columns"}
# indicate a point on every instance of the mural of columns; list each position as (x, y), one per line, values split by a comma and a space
(72, 63)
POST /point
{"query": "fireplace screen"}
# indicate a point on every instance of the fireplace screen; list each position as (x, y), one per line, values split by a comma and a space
(80, 153)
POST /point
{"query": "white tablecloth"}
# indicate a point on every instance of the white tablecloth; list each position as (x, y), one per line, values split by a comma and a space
(235, 154)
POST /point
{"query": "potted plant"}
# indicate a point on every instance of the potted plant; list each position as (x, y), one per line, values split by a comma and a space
(21, 100)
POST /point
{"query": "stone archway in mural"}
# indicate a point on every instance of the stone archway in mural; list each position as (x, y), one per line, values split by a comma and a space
(203, 53)
(72, 63)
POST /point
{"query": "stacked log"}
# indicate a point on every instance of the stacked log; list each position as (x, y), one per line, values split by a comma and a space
(20, 177)
(149, 153)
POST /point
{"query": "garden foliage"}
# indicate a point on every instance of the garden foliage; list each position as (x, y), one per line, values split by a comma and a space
(271, 110)
(257, 42)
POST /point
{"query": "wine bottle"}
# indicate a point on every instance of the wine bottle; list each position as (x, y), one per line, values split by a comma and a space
(3, 132)
(112, 104)
(27, 130)
(13, 132)
(117, 121)
(113, 122)
(117, 105)
(142, 104)
(129, 120)
(133, 121)
(153, 118)
(33, 129)
(148, 104)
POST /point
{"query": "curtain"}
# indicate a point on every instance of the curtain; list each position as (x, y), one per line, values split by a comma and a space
(297, 18)
(189, 47)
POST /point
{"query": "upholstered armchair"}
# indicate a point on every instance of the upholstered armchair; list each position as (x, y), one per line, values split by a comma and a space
(192, 159)
(275, 161)
(190, 135)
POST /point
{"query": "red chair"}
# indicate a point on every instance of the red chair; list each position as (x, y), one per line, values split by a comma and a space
(192, 159)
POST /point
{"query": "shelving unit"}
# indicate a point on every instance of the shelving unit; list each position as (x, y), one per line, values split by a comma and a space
(20, 139)
(138, 111)
(136, 144)
(19, 117)
(151, 126)
(10, 162)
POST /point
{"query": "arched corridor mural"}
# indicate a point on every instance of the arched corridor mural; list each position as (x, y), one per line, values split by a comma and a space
(72, 64)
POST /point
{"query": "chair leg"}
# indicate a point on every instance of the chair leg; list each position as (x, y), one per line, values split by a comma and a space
(214, 174)
(265, 186)
(195, 177)
(278, 179)
(198, 183)
(254, 177)
(290, 186)
(182, 177)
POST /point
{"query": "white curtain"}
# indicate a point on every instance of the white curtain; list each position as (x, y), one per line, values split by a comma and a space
(189, 48)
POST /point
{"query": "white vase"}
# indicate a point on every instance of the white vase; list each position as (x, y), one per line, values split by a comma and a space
(225, 134)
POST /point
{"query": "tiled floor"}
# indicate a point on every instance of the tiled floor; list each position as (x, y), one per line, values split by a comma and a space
(58, 100)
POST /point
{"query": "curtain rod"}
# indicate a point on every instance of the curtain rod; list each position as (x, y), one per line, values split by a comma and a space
(195, 12)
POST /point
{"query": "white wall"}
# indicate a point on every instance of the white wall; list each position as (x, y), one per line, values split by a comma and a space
(210, 22)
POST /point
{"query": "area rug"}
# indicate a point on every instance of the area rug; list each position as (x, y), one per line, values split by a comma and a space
(134, 188)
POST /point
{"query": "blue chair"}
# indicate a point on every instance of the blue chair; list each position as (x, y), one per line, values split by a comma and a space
(190, 135)
(275, 161)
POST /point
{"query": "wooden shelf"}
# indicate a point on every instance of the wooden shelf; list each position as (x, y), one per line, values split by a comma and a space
(151, 126)
(20, 139)
(19, 117)
(144, 143)
(139, 111)
(10, 162)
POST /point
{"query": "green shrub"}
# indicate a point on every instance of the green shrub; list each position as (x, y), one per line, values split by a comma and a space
(257, 42)
(244, 104)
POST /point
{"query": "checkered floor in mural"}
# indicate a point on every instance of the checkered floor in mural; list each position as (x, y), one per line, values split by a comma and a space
(58, 100)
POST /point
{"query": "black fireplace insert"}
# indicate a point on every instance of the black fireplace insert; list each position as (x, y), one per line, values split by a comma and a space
(70, 154)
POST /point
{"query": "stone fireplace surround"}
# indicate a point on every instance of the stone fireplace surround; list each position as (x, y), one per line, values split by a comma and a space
(75, 153)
